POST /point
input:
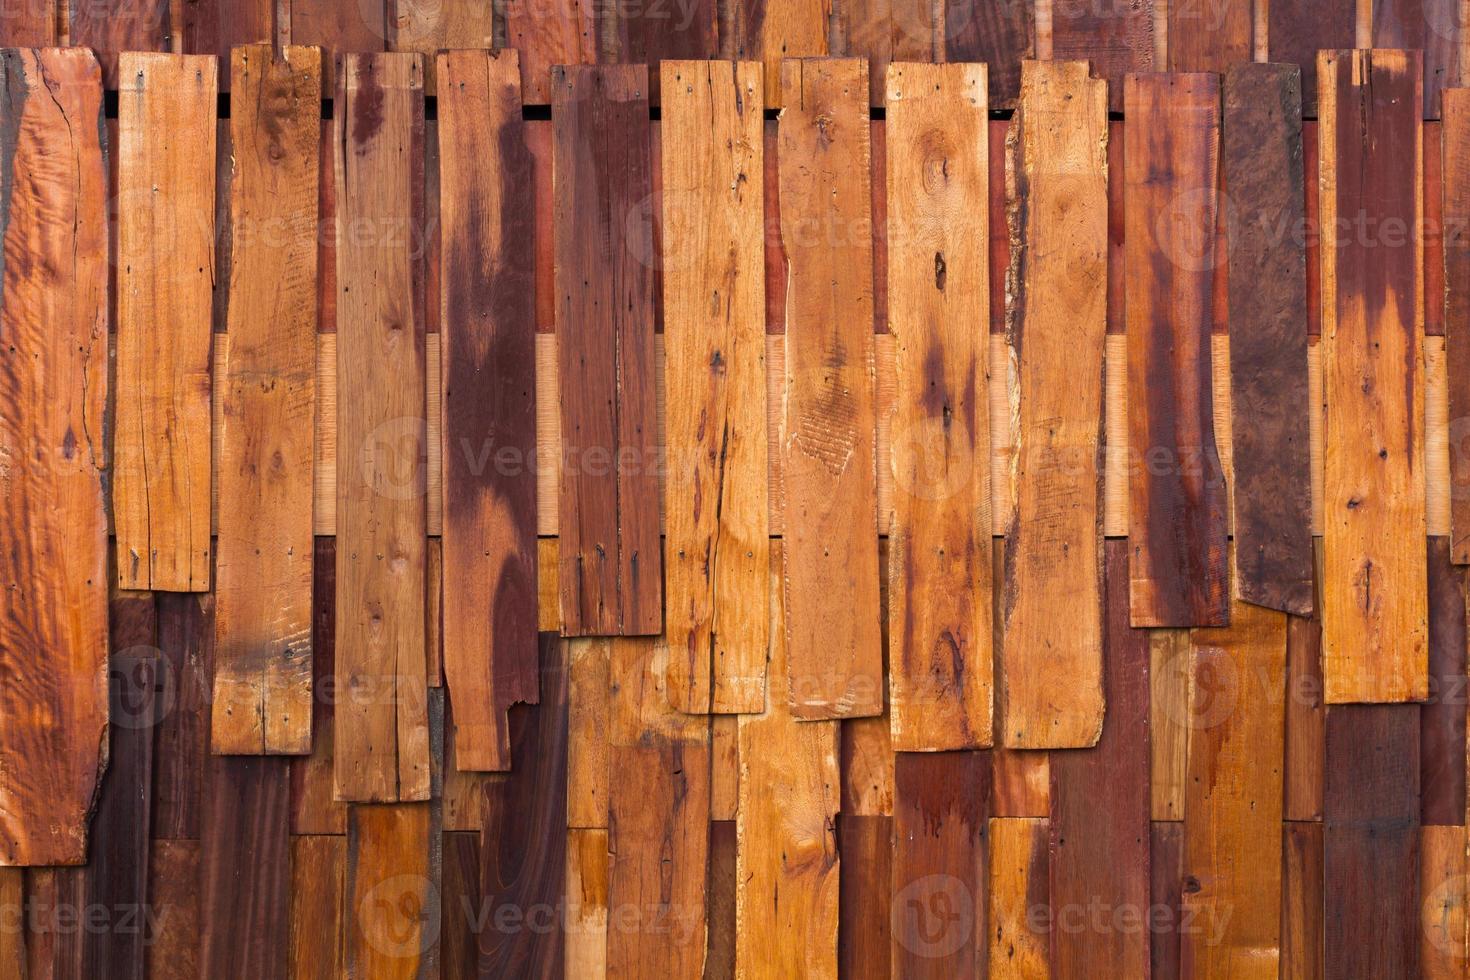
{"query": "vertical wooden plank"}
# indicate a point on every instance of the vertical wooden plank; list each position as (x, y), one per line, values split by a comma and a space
(391, 912)
(1166, 932)
(13, 931)
(314, 810)
(828, 434)
(1001, 35)
(165, 242)
(586, 938)
(53, 953)
(1233, 796)
(939, 540)
(544, 39)
(1374, 575)
(318, 871)
(430, 28)
(864, 929)
(29, 23)
(649, 34)
(262, 683)
(1371, 840)
(523, 847)
(1210, 36)
(489, 431)
(1306, 718)
(611, 568)
(181, 746)
(1169, 675)
(1442, 717)
(1176, 485)
(380, 726)
(1433, 26)
(1116, 38)
(1302, 902)
(53, 398)
(110, 27)
(787, 871)
(773, 30)
(171, 921)
(217, 26)
(1297, 29)
(459, 944)
(589, 692)
(715, 378)
(719, 959)
(1442, 883)
(1456, 224)
(245, 869)
(1057, 181)
(1019, 899)
(1272, 494)
(340, 26)
(1100, 806)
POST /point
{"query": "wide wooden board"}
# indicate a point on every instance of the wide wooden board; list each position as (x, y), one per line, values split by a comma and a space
(108, 27)
(318, 881)
(774, 30)
(392, 890)
(1115, 38)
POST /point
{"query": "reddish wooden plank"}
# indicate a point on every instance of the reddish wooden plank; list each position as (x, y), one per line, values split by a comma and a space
(1116, 38)
(1434, 26)
(864, 925)
(885, 31)
(340, 26)
(719, 960)
(216, 26)
(29, 23)
(1306, 718)
(1100, 807)
(1297, 29)
(171, 921)
(489, 393)
(54, 945)
(1176, 484)
(53, 401)
(313, 807)
(1455, 216)
(1442, 722)
(459, 944)
(611, 570)
(651, 33)
(110, 27)
(1270, 410)
(318, 873)
(545, 37)
(1002, 35)
(1434, 230)
(1166, 909)
(1302, 902)
(1209, 36)
(1371, 841)
(181, 747)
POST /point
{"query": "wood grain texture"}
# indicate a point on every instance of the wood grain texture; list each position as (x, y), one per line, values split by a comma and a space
(1176, 484)
(544, 39)
(318, 879)
(1169, 722)
(432, 28)
(217, 26)
(314, 809)
(611, 567)
(1302, 904)
(1019, 896)
(380, 728)
(1442, 718)
(646, 33)
(1209, 36)
(181, 743)
(827, 444)
(165, 249)
(586, 889)
(1166, 871)
(1297, 29)
(1374, 575)
(1306, 719)
(1233, 802)
(886, 31)
(1100, 806)
(1455, 215)
(1442, 882)
(787, 872)
(773, 30)
(1271, 496)
(392, 911)
(109, 27)
(1116, 38)
(171, 923)
(1056, 322)
(262, 681)
(53, 398)
(864, 929)
(1371, 841)
(1434, 26)
(30, 24)
(718, 522)
(939, 569)
(340, 27)
(489, 398)
(1001, 35)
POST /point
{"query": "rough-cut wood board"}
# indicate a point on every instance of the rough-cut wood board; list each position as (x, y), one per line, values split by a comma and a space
(1001, 35)
(1019, 897)
(245, 872)
(1233, 796)
(787, 872)
(1371, 840)
(30, 24)
(1297, 29)
(523, 846)
(340, 27)
(827, 441)
(1169, 674)
(939, 570)
(1306, 717)
(53, 398)
(1442, 883)
(171, 922)
(1456, 218)
(459, 947)
(52, 952)
(318, 879)
(1100, 804)
(262, 681)
(1116, 38)
(181, 745)
(1166, 892)
(590, 691)
(611, 567)
(214, 27)
(864, 930)
(1374, 575)
(380, 730)
(489, 402)
(391, 912)
(941, 805)
(642, 33)
(1302, 903)
(1056, 322)
(314, 809)
(110, 27)
(1442, 717)
(1271, 495)
(1209, 36)
(586, 898)
(546, 37)
(718, 520)
(773, 30)
(1434, 26)
(884, 31)
(165, 270)
(1176, 485)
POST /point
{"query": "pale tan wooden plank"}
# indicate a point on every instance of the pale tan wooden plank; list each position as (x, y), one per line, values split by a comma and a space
(1169, 676)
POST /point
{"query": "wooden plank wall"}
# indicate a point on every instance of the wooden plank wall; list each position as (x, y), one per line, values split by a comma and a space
(874, 505)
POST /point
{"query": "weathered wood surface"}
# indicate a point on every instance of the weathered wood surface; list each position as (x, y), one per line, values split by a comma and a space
(718, 523)
(544, 41)
(53, 398)
(773, 30)
(262, 680)
(1455, 215)
(651, 35)
(1374, 575)
(432, 28)
(1166, 893)
(165, 271)
(318, 882)
(1176, 484)
(1056, 322)
(29, 24)
(611, 566)
(999, 35)
(828, 436)
(1118, 39)
(171, 922)
(1442, 717)
(1271, 498)
(489, 396)
(314, 808)
(865, 926)
(380, 726)
(1442, 886)
(1020, 863)
(109, 27)
(1302, 902)
(186, 643)
(1297, 29)
(1435, 27)
(1306, 719)
(1209, 36)
(214, 27)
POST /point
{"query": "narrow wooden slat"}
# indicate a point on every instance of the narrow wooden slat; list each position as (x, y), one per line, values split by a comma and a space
(827, 445)
(380, 729)
(165, 243)
(53, 399)
(864, 929)
(489, 402)
(715, 377)
(459, 945)
(1019, 898)
(1100, 806)
(1442, 717)
(1233, 803)
(181, 745)
(1456, 220)
(1209, 36)
(885, 31)
(1056, 325)
(1302, 902)
(588, 770)
(867, 767)
(214, 27)
(13, 936)
(262, 681)
(611, 567)
(719, 957)
(1442, 883)
(1374, 576)
(171, 922)
(392, 890)
(640, 33)
(110, 27)
(1166, 872)
(1306, 718)
(314, 810)
(773, 30)
(787, 873)
(1169, 721)
(1297, 29)
(1117, 39)
(1371, 840)
(586, 918)
(1269, 440)
(1176, 485)
(318, 873)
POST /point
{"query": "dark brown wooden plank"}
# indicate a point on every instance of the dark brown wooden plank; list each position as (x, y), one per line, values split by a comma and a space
(1117, 38)
(216, 26)
(53, 407)
(1166, 907)
(458, 930)
(651, 33)
(1455, 215)
(1306, 718)
(314, 810)
(112, 26)
(1371, 841)
(171, 922)
(941, 803)
(1297, 29)
(1434, 26)
(1176, 484)
(1209, 35)
(1442, 718)
(1100, 805)
(54, 946)
(720, 914)
(181, 748)
(1270, 410)
(864, 924)
(1001, 35)
(611, 569)
(1302, 903)
(523, 844)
